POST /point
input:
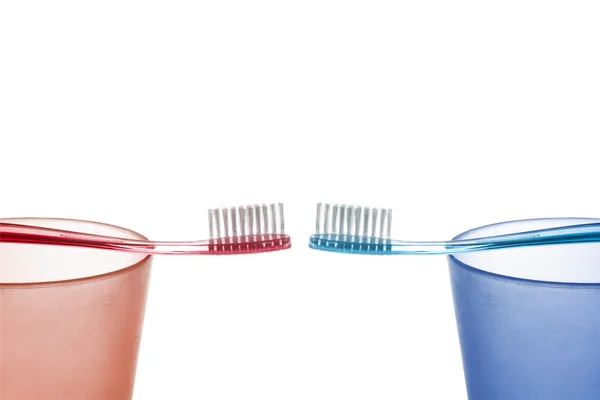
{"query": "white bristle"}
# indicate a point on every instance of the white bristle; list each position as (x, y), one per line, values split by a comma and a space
(211, 224)
(382, 224)
(326, 219)
(353, 220)
(281, 219)
(264, 219)
(318, 224)
(243, 215)
(258, 219)
(366, 218)
(374, 221)
(273, 218)
(358, 221)
(217, 220)
(225, 213)
(350, 215)
(389, 226)
(250, 212)
(334, 227)
(234, 215)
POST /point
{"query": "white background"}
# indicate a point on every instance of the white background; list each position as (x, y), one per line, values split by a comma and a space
(145, 114)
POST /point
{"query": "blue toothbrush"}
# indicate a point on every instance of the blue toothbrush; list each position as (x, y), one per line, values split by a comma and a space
(367, 230)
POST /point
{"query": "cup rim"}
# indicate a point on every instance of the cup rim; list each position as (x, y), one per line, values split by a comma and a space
(74, 281)
(514, 279)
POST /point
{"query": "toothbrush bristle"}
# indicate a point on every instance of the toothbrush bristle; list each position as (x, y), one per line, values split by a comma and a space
(247, 229)
(245, 221)
(352, 229)
(357, 221)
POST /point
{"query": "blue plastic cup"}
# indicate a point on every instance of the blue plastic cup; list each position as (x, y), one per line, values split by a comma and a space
(529, 318)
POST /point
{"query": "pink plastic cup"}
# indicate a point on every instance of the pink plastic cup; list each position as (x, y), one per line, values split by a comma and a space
(70, 318)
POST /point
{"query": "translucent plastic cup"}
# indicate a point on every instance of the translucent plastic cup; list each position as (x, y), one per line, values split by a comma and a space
(529, 318)
(70, 318)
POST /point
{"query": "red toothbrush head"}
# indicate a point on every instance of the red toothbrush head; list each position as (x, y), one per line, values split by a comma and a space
(247, 229)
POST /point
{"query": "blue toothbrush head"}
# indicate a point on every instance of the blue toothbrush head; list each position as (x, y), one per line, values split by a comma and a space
(352, 229)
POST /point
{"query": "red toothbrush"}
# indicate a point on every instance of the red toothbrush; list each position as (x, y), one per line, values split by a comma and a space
(233, 230)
